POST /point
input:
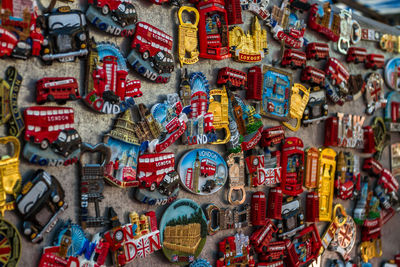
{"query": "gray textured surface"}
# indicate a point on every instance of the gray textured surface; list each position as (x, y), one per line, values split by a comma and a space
(92, 126)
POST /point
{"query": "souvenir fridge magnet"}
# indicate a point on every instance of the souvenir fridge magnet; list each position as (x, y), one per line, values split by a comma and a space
(57, 89)
(305, 247)
(324, 20)
(341, 234)
(20, 30)
(248, 122)
(236, 178)
(374, 93)
(356, 87)
(121, 170)
(108, 90)
(311, 168)
(235, 249)
(336, 85)
(292, 163)
(316, 109)
(10, 113)
(347, 174)
(41, 193)
(92, 185)
(263, 168)
(188, 41)
(298, 103)
(326, 173)
(392, 112)
(234, 11)
(115, 17)
(225, 218)
(213, 29)
(10, 175)
(219, 108)
(202, 171)
(11, 244)
(381, 136)
(251, 46)
(292, 218)
(392, 73)
(195, 93)
(158, 181)
(172, 121)
(51, 139)
(151, 54)
(137, 239)
(395, 159)
(183, 230)
(286, 27)
(65, 37)
(276, 93)
(232, 79)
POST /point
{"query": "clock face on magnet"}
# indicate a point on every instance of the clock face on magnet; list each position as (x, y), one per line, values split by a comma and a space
(202, 171)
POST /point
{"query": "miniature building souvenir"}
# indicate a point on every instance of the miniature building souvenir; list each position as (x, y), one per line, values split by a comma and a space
(213, 29)
(10, 113)
(326, 173)
(10, 175)
(298, 103)
(374, 93)
(311, 168)
(347, 174)
(58, 89)
(151, 55)
(286, 26)
(236, 178)
(322, 19)
(344, 130)
(20, 29)
(225, 218)
(305, 247)
(51, 137)
(122, 168)
(108, 89)
(341, 234)
(41, 193)
(292, 163)
(203, 171)
(171, 122)
(139, 238)
(74, 249)
(92, 185)
(188, 41)
(292, 218)
(389, 43)
(236, 250)
(116, 17)
(65, 37)
(392, 112)
(276, 93)
(10, 244)
(251, 46)
(248, 122)
(392, 73)
(194, 92)
(183, 231)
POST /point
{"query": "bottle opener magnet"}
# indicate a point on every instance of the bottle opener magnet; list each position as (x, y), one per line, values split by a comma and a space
(188, 41)
(236, 177)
